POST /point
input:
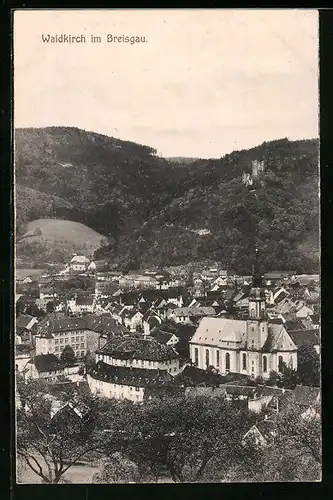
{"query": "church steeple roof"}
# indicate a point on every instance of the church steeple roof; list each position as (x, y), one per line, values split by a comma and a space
(256, 272)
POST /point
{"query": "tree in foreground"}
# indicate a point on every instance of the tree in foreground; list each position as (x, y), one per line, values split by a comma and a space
(186, 438)
(117, 469)
(68, 355)
(308, 365)
(50, 444)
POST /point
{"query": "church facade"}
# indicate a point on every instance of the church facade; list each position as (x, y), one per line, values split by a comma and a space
(253, 347)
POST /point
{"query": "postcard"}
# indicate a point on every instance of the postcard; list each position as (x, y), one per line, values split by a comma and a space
(167, 255)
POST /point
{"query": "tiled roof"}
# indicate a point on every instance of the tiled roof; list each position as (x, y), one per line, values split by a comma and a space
(161, 336)
(278, 339)
(137, 348)
(136, 377)
(194, 311)
(213, 331)
(301, 337)
(254, 391)
(292, 325)
(47, 363)
(267, 429)
(79, 259)
(84, 301)
(23, 320)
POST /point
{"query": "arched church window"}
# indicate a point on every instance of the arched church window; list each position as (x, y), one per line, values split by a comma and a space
(207, 357)
(227, 361)
(217, 358)
(264, 363)
(280, 363)
(244, 361)
(253, 313)
(196, 356)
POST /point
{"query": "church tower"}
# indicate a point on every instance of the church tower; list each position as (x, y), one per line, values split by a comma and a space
(257, 299)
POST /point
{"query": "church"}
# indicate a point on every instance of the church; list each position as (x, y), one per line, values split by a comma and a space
(254, 346)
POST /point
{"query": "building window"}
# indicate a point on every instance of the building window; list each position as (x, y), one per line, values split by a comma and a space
(291, 364)
(196, 355)
(252, 344)
(264, 363)
(253, 313)
(227, 361)
(207, 357)
(217, 358)
(244, 361)
(280, 363)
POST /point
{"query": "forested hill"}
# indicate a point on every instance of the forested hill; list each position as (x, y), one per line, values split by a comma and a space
(155, 212)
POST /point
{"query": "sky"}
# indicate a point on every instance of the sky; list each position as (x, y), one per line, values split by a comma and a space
(203, 84)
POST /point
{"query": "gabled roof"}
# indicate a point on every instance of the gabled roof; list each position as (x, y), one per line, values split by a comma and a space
(47, 362)
(292, 325)
(136, 377)
(79, 259)
(84, 301)
(138, 348)
(278, 339)
(306, 396)
(194, 311)
(23, 320)
(301, 337)
(161, 336)
(267, 429)
(213, 331)
(285, 306)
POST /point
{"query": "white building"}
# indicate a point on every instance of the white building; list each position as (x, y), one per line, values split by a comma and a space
(251, 347)
(126, 367)
(79, 263)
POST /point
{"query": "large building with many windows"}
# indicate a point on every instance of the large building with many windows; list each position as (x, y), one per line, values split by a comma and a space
(81, 334)
(254, 346)
(127, 367)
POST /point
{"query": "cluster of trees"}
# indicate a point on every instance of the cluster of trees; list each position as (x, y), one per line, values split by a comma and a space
(180, 439)
(151, 208)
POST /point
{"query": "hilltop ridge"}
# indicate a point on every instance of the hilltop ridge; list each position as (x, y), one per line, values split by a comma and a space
(155, 213)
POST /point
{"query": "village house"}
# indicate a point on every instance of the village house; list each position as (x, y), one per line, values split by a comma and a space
(252, 346)
(23, 353)
(24, 324)
(81, 334)
(81, 304)
(163, 337)
(261, 435)
(308, 399)
(125, 368)
(48, 367)
(189, 314)
(79, 263)
(131, 318)
(303, 311)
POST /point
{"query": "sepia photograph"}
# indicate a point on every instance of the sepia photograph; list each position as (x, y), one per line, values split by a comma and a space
(167, 246)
